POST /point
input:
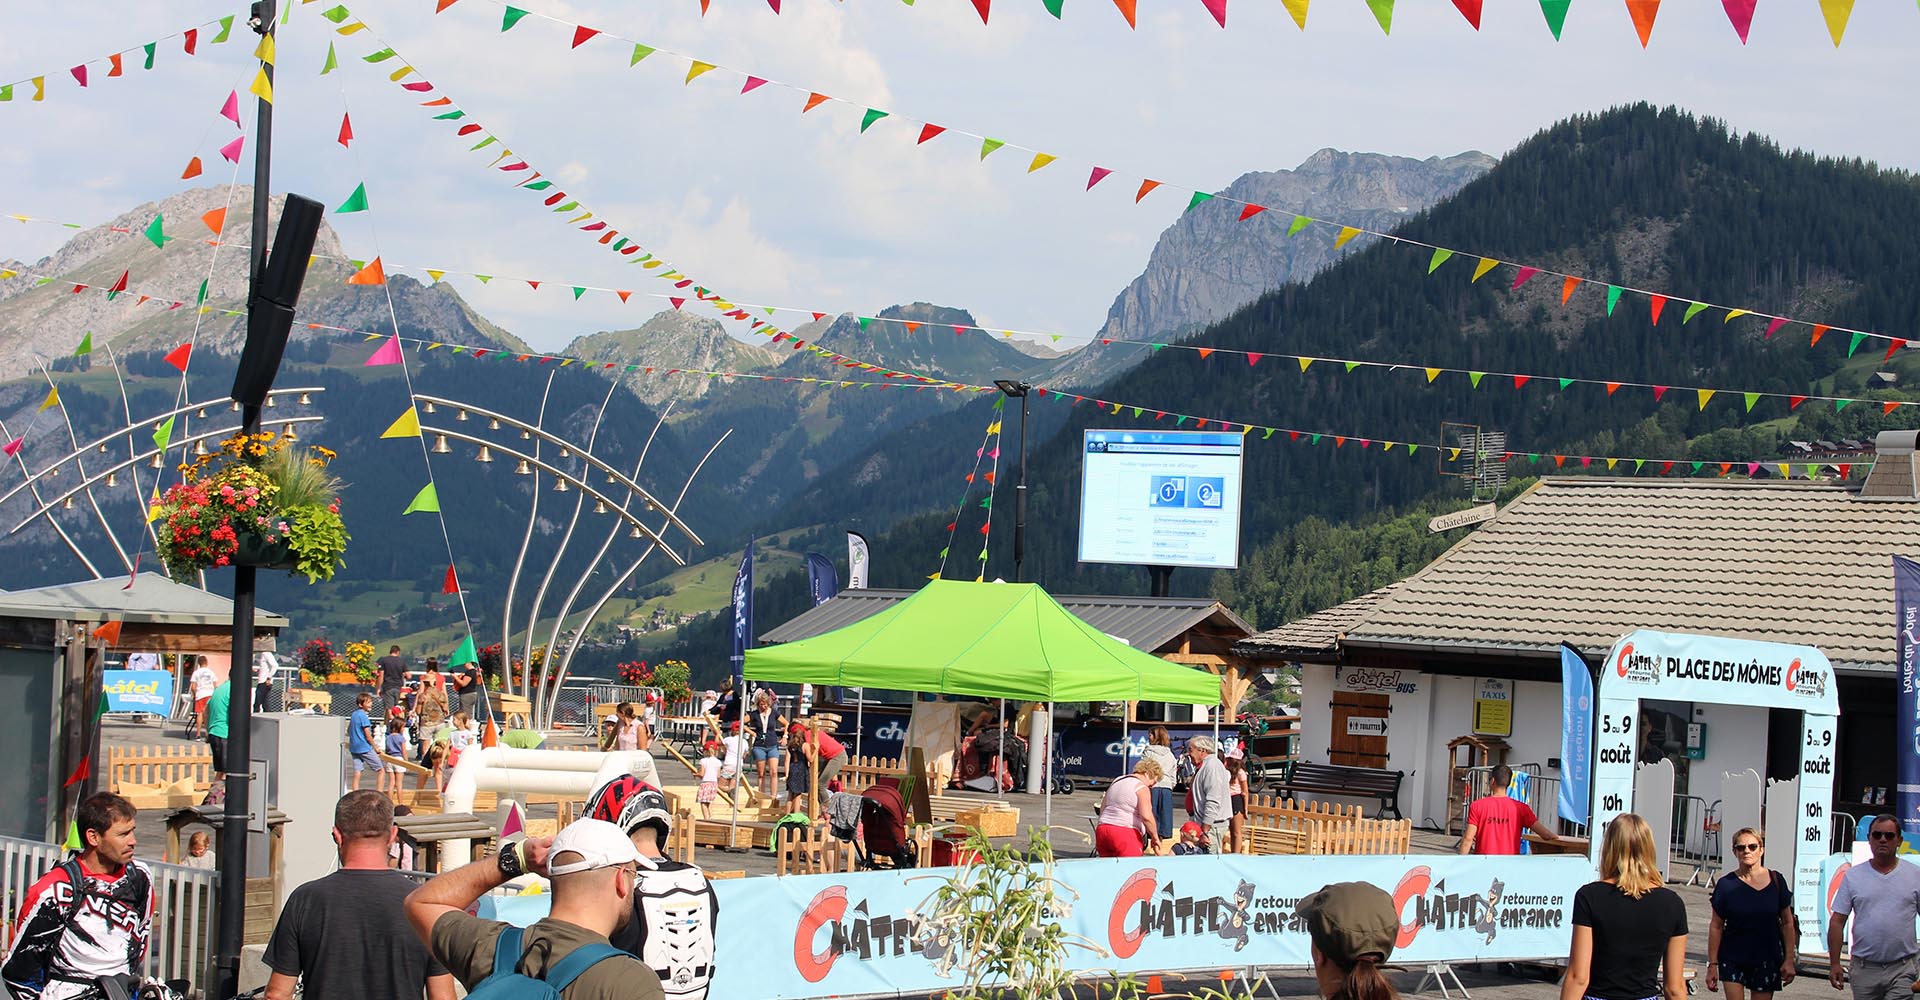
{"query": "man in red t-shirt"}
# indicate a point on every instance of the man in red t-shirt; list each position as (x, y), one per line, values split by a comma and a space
(1494, 824)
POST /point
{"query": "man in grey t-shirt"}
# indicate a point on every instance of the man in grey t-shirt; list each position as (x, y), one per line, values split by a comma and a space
(1883, 897)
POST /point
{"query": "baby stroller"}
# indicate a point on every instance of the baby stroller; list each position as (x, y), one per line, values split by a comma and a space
(883, 839)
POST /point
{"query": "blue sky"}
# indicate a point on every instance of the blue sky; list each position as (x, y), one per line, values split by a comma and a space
(768, 205)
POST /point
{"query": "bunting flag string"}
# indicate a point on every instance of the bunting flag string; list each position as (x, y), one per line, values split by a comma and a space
(1296, 220)
(505, 160)
(1641, 14)
(1429, 374)
(989, 437)
(34, 88)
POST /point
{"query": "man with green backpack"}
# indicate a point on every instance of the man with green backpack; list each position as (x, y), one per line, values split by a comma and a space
(593, 866)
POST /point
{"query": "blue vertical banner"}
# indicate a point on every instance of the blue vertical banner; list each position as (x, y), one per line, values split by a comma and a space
(1906, 714)
(1576, 736)
(823, 580)
(742, 621)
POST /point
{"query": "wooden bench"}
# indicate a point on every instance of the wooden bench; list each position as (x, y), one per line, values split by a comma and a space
(511, 707)
(425, 834)
(309, 698)
(423, 797)
(160, 777)
(1340, 779)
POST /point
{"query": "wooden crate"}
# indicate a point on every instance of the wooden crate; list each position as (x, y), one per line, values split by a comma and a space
(990, 822)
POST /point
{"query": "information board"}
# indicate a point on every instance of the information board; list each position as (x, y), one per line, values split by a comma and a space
(1161, 498)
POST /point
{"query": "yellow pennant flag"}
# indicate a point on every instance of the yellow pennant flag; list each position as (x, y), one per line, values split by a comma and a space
(1298, 8)
(153, 508)
(1733, 314)
(1486, 264)
(697, 68)
(1346, 233)
(435, 275)
(993, 428)
(1432, 373)
(53, 400)
(264, 51)
(1705, 395)
(262, 87)
(407, 426)
(1040, 160)
(1836, 12)
(1611, 462)
(1306, 363)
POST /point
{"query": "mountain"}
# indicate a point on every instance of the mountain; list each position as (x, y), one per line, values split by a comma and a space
(676, 339)
(1211, 262)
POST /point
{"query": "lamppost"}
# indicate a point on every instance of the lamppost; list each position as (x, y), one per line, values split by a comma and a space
(1019, 390)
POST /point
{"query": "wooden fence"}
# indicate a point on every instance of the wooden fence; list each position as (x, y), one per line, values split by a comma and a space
(160, 776)
(861, 773)
(1283, 826)
(815, 851)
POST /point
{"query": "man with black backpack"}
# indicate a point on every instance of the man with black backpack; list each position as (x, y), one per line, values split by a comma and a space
(89, 917)
(566, 954)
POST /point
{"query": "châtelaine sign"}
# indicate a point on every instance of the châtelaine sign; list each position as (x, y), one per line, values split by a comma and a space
(1462, 518)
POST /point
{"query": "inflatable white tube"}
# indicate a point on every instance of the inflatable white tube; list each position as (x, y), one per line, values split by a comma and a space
(540, 772)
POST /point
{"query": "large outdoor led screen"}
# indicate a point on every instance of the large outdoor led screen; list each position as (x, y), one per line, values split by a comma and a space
(1161, 498)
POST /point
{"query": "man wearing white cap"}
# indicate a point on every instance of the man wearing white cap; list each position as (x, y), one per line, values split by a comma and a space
(593, 866)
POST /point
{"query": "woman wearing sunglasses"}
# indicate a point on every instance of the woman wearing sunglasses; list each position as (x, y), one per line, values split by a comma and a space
(1753, 937)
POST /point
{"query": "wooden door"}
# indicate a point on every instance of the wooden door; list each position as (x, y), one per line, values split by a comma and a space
(1361, 743)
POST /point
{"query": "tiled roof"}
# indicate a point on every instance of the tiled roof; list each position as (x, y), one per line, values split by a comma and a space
(1145, 623)
(1317, 632)
(1585, 560)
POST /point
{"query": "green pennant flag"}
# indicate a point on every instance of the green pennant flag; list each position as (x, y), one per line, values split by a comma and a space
(1854, 344)
(1613, 298)
(1439, 257)
(1154, 347)
(1565, 382)
(1383, 12)
(1000, 402)
(6, 93)
(1299, 223)
(226, 29)
(426, 501)
(866, 320)
(86, 345)
(1351, 365)
(163, 434)
(1476, 377)
(1198, 198)
(155, 233)
(356, 202)
(1053, 6)
(1637, 463)
(333, 61)
(1182, 420)
(640, 52)
(1555, 12)
(338, 14)
(988, 146)
(872, 115)
(986, 502)
(1751, 398)
(1533, 459)
(463, 655)
(379, 57)
(1136, 411)
(1411, 449)
(577, 292)
(943, 552)
(1840, 404)
(1693, 309)
(149, 49)
(513, 16)
(1269, 433)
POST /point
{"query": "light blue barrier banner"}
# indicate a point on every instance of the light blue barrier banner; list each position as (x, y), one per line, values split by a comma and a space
(138, 691)
(845, 935)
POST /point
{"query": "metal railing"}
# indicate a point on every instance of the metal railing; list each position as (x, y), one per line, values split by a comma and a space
(1845, 825)
(184, 902)
(1540, 791)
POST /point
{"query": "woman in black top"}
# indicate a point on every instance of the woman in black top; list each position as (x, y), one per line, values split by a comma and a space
(1753, 937)
(1629, 930)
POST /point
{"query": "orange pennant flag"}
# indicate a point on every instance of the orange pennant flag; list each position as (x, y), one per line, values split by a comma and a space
(192, 171)
(813, 101)
(1128, 10)
(110, 631)
(215, 219)
(372, 274)
(1643, 12)
(1567, 287)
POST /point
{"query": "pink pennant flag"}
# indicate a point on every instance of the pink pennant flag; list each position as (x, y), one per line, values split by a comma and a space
(775, 4)
(753, 82)
(80, 73)
(1525, 274)
(12, 447)
(1740, 12)
(1099, 174)
(1774, 326)
(388, 354)
(1218, 8)
(231, 110)
(232, 149)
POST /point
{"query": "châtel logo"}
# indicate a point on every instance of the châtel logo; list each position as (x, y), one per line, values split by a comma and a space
(1641, 669)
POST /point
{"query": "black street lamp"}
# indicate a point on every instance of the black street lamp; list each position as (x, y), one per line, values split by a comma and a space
(1019, 390)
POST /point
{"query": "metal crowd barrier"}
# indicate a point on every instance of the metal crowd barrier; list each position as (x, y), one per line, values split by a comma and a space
(184, 903)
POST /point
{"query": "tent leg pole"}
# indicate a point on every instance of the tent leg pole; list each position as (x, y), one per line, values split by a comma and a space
(1047, 755)
(1126, 740)
(860, 721)
(1000, 758)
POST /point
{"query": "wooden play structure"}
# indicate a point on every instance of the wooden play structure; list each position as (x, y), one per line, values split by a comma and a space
(160, 776)
(1283, 826)
(1465, 753)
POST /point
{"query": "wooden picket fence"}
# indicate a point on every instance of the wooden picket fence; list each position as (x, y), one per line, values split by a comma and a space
(815, 851)
(155, 776)
(861, 773)
(1283, 826)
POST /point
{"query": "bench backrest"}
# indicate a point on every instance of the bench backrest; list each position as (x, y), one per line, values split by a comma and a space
(1306, 773)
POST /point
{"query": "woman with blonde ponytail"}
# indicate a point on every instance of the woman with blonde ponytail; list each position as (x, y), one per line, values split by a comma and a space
(1629, 930)
(1353, 928)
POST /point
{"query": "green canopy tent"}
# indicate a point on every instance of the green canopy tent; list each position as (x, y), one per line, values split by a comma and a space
(989, 640)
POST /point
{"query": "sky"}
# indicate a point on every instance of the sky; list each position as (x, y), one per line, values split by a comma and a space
(767, 205)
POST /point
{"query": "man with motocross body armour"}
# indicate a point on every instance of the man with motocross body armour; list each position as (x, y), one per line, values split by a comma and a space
(89, 917)
(675, 910)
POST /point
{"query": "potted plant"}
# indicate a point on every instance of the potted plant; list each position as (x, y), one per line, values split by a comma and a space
(674, 679)
(255, 502)
(316, 661)
(636, 674)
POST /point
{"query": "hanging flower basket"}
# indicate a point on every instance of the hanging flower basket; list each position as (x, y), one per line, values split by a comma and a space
(253, 503)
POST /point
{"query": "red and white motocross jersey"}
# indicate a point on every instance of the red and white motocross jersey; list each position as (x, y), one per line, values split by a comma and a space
(61, 943)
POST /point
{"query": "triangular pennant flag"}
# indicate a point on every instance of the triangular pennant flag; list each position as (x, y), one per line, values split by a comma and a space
(1383, 12)
(83, 770)
(356, 202)
(1704, 395)
(1433, 373)
(1306, 363)
(1524, 275)
(231, 151)
(872, 115)
(407, 425)
(332, 63)
(12, 448)
(426, 501)
(452, 583)
(192, 171)
(753, 83)
(86, 345)
(695, 68)
(215, 219)
(119, 286)
(1613, 387)
(1486, 264)
(983, 6)
(346, 131)
(1128, 10)
(1656, 303)
(387, 354)
(1773, 327)
(1469, 9)
(987, 146)
(1613, 298)
(1298, 10)
(1836, 12)
(578, 291)
(1199, 197)
(581, 34)
(1750, 398)
(1566, 288)
(814, 100)
(1521, 380)
(162, 434)
(1555, 12)
(1693, 309)
(1299, 223)
(464, 654)
(155, 233)
(1218, 8)
(1643, 12)
(1733, 314)
(1346, 235)
(1819, 330)
(52, 400)
(1659, 391)
(1793, 402)
(372, 274)
(1564, 383)
(1894, 347)
(110, 631)
(179, 355)
(1439, 257)
(1854, 344)
(231, 109)
(262, 85)
(80, 74)
(1040, 160)
(511, 18)
(264, 51)
(1475, 378)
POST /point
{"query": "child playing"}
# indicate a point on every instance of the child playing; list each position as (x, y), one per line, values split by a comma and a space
(736, 747)
(1193, 840)
(436, 754)
(709, 779)
(199, 851)
(800, 775)
(396, 747)
(463, 736)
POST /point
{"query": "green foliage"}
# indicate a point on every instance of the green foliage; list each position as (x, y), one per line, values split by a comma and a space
(318, 538)
(302, 481)
(674, 679)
